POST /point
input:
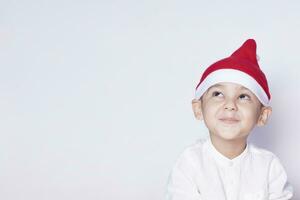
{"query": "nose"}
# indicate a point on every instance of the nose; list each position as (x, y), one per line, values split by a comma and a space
(230, 105)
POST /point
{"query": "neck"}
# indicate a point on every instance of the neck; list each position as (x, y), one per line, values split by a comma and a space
(229, 148)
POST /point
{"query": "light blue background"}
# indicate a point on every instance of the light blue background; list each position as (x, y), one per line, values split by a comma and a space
(95, 96)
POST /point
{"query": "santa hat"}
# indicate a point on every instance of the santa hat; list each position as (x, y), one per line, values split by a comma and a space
(241, 68)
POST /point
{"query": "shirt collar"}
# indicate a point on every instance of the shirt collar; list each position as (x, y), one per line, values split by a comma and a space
(223, 160)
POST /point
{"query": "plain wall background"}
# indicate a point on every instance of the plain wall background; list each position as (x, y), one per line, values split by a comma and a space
(95, 96)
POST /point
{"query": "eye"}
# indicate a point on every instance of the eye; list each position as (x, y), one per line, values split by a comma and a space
(244, 97)
(217, 94)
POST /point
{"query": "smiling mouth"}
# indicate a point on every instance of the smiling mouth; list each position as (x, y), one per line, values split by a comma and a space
(229, 121)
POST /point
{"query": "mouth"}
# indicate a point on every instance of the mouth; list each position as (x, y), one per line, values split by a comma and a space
(229, 120)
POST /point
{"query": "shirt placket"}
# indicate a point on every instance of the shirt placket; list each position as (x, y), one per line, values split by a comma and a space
(232, 179)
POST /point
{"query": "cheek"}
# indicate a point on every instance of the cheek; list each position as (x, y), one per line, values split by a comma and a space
(210, 113)
(251, 115)
(210, 109)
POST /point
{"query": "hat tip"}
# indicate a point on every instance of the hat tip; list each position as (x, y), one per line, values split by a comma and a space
(250, 41)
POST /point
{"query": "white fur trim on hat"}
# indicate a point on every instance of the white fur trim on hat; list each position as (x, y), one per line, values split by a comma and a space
(233, 76)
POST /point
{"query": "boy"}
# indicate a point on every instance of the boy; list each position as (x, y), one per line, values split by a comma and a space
(232, 98)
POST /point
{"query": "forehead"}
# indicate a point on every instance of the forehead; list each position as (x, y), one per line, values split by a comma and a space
(227, 85)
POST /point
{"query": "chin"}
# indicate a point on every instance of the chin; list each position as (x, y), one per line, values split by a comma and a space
(229, 136)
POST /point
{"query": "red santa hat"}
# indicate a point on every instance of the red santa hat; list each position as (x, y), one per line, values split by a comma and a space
(241, 68)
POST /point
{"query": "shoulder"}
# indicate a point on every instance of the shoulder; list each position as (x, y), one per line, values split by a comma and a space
(263, 156)
(195, 148)
(261, 152)
(192, 153)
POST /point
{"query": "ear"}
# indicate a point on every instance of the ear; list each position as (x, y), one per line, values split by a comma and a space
(196, 106)
(264, 116)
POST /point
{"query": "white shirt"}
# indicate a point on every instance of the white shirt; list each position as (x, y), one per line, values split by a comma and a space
(202, 173)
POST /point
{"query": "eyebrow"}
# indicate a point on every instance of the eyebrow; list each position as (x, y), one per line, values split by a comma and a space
(214, 86)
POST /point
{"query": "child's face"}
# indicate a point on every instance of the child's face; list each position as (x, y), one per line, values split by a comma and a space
(230, 111)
